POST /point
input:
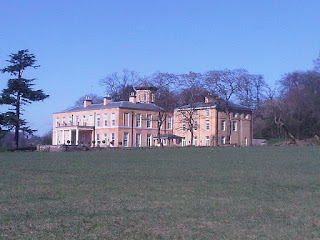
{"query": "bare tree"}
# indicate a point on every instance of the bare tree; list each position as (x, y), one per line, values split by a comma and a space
(259, 87)
(161, 119)
(167, 84)
(227, 83)
(120, 85)
(316, 63)
(251, 89)
(94, 97)
(192, 92)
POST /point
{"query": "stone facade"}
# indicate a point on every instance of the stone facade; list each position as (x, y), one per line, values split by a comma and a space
(212, 127)
(134, 123)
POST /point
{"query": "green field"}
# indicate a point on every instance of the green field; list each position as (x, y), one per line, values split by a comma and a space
(178, 193)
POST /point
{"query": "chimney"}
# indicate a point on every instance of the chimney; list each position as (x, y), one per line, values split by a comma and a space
(132, 98)
(208, 99)
(87, 102)
(211, 98)
(106, 99)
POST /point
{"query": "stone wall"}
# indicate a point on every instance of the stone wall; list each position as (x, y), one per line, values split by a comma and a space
(60, 148)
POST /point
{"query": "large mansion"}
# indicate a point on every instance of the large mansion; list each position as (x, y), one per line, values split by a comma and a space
(140, 123)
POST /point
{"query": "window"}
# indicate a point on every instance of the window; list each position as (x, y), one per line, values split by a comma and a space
(83, 139)
(183, 142)
(195, 125)
(91, 120)
(223, 140)
(138, 120)
(183, 126)
(223, 125)
(98, 137)
(112, 139)
(70, 120)
(195, 141)
(138, 140)
(126, 119)
(144, 97)
(195, 113)
(235, 115)
(105, 138)
(207, 141)
(207, 125)
(64, 121)
(98, 120)
(149, 140)
(207, 113)
(57, 122)
(234, 126)
(149, 121)
(125, 139)
(113, 119)
(105, 118)
(170, 122)
(77, 120)
(83, 120)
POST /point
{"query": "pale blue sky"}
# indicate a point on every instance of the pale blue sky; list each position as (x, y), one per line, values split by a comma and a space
(79, 42)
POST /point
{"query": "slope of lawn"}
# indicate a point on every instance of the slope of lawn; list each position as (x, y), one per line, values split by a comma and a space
(178, 193)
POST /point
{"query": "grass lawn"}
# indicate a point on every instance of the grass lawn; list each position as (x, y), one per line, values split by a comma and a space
(185, 193)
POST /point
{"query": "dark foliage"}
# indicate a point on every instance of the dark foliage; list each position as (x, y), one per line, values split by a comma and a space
(19, 91)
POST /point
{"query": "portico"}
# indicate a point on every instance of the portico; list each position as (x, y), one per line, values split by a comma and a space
(71, 135)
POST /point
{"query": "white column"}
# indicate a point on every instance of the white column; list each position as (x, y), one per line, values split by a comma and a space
(77, 136)
(62, 136)
(70, 136)
(92, 138)
(56, 142)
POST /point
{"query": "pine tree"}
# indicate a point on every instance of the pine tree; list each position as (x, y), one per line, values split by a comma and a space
(20, 91)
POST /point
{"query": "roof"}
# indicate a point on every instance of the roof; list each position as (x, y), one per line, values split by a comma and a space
(218, 104)
(144, 85)
(121, 104)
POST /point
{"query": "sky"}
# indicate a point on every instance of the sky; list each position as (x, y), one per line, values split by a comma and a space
(79, 42)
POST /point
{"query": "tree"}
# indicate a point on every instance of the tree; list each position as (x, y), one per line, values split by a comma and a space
(5, 119)
(251, 89)
(295, 112)
(300, 93)
(166, 84)
(316, 63)
(192, 92)
(46, 139)
(227, 83)
(94, 97)
(120, 85)
(19, 90)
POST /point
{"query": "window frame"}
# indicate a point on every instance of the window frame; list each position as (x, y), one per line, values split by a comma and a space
(149, 121)
(138, 120)
(223, 140)
(207, 125)
(105, 119)
(234, 126)
(223, 125)
(113, 119)
(126, 139)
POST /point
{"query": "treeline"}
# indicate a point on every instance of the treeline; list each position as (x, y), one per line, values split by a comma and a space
(25, 140)
(291, 109)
